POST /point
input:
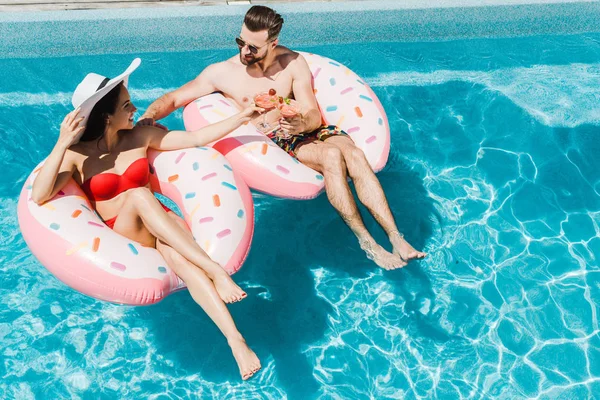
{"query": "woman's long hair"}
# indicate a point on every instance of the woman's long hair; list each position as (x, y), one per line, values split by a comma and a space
(96, 124)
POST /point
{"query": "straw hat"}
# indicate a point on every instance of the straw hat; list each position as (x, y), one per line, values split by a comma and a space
(93, 87)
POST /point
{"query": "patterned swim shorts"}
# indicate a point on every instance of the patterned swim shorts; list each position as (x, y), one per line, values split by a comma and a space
(291, 145)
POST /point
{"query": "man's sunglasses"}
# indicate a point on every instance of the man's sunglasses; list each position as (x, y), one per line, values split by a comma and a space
(253, 49)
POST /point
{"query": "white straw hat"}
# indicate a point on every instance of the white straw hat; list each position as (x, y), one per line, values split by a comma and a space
(94, 87)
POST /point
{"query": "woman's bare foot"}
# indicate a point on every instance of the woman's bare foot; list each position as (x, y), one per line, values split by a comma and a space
(244, 356)
(380, 256)
(403, 249)
(228, 291)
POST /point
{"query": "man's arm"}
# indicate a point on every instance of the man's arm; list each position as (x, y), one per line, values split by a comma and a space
(166, 104)
(303, 93)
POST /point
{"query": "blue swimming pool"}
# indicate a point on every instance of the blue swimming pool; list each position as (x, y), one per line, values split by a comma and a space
(493, 170)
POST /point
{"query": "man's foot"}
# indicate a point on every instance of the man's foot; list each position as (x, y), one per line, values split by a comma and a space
(244, 356)
(228, 291)
(380, 256)
(403, 249)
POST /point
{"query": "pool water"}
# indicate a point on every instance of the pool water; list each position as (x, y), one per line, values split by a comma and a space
(493, 170)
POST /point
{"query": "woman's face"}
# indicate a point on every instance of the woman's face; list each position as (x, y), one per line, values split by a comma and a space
(123, 116)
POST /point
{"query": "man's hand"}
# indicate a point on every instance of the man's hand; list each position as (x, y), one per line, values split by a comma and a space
(147, 121)
(294, 125)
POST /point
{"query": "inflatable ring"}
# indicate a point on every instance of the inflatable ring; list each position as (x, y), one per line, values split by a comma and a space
(344, 100)
(73, 243)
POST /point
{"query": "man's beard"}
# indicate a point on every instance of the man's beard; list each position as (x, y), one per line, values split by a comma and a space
(253, 61)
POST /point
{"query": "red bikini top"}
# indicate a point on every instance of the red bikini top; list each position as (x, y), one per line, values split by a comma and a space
(107, 185)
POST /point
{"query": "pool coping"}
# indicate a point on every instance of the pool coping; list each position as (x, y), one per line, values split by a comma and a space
(132, 30)
(212, 7)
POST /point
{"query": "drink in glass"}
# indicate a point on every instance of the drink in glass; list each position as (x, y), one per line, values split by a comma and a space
(288, 109)
(268, 101)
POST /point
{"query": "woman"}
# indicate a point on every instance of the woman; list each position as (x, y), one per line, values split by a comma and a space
(101, 149)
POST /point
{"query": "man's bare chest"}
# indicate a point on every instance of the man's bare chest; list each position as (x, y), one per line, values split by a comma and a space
(242, 87)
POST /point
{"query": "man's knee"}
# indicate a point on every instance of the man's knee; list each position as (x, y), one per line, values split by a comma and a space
(355, 156)
(333, 160)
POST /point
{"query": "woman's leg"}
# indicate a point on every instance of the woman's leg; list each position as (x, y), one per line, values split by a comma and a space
(203, 291)
(142, 218)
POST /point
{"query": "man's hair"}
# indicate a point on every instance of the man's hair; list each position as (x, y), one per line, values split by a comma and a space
(261, 18)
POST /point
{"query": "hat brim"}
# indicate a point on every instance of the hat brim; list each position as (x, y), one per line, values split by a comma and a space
(87, 106)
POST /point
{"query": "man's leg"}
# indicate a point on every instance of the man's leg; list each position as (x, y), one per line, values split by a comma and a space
(370, 193)
(329, 161)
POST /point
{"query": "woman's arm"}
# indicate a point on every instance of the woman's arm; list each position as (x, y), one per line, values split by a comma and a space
(175, 140)
(59, 167)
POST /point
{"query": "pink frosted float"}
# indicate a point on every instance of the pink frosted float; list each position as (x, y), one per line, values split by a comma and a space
(73, 243)
(344, 99)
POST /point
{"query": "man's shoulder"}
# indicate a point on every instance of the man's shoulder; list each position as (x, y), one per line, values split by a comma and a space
(284, 53)
(220, 67)
(289, 58)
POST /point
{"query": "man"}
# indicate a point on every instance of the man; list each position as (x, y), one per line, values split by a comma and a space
(263, 65)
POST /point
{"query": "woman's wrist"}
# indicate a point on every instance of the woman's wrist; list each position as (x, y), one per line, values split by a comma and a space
(62, 145)
(239, 120)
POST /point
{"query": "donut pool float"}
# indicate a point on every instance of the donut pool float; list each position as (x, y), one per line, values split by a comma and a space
(73, 243)
(344, 100)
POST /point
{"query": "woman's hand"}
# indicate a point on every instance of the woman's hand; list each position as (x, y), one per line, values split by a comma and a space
(248, 113)
(70, 131)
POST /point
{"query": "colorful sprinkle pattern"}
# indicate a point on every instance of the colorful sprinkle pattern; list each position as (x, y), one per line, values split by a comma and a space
(217, 201)
(344, 99)
(256, 146)
(353, 107)
(213, 206)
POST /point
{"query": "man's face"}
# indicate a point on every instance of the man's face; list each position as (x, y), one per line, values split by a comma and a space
(259, 40)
